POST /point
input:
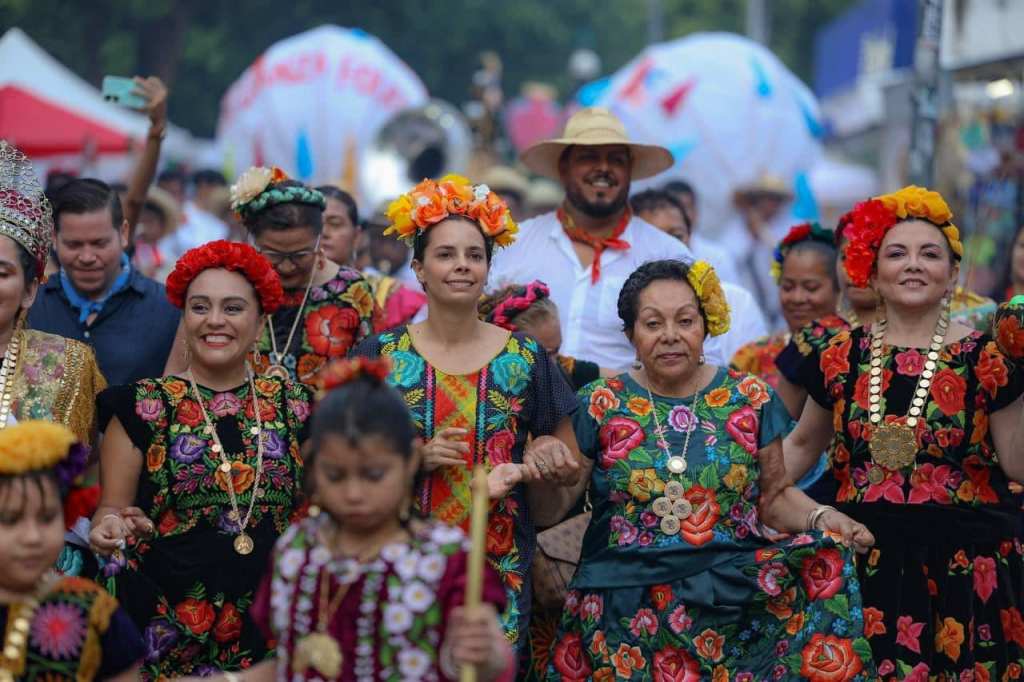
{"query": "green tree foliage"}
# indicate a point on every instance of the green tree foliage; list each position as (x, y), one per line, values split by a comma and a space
(201, 46)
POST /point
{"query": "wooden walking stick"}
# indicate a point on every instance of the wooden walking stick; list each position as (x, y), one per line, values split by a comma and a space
(478, 543)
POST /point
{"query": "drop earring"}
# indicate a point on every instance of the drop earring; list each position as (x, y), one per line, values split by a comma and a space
(701, 360)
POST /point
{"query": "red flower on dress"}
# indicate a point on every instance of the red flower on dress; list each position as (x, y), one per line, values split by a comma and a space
(929, 483)
(233, 256)
(873, 624)
(709, 645)
(909, 362)
(618, 438)
(1013, 625)
(835, 359)
(228, 627)
(195, 614)
(991, 372)
(822, 573)
(985, 577)
(675, 665)
(698, 527)
(948, 390)
(189, 413)
(661, 596)
(1010, 336)
(829, 659)
(500, 534)
(742, 425)
(331, 329)
(570, 660)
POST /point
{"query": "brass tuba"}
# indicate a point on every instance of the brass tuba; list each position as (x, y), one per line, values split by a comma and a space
(422, 142)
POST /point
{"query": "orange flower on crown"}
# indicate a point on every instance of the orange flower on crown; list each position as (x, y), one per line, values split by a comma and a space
(430, 202)
(866, 225)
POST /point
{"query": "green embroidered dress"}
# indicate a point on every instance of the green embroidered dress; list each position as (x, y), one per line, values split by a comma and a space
(714, 599)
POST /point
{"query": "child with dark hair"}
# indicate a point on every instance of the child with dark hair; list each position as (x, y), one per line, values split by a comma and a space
(56, 627)
(529, 309)
(361, 589)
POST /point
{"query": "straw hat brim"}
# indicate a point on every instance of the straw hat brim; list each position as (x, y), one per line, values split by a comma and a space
(648, 159)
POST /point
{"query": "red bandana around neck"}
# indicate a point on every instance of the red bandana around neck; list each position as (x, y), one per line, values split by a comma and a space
(599, 244)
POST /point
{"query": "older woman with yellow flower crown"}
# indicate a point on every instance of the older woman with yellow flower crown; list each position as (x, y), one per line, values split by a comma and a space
(684, 459)
(477, 392)
(923, 417)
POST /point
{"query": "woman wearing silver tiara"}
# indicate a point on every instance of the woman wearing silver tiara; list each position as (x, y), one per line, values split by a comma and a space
(328, 308)
(43, 376)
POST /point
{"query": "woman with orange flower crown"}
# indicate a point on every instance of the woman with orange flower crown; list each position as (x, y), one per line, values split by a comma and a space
(211, 457)
(923, 419)
(328, 307)
(477, 392)
(52, 628)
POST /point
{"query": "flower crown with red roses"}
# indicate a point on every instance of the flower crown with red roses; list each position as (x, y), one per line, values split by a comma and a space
(346, 370)
(804, 232)
(506, 310)
(430, 202)
(234, 256)
(866, 225)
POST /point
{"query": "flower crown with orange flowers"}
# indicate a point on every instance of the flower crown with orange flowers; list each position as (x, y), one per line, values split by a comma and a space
(866, 225)
(257, 189)
(430, 202)
(346, 370)
(234, 256)
(804, 232)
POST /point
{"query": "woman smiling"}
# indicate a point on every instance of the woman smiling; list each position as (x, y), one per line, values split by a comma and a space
(211, 456)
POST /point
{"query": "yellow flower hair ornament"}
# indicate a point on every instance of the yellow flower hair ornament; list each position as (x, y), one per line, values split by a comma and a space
(430, 202)
(38, 446)
(704, 280)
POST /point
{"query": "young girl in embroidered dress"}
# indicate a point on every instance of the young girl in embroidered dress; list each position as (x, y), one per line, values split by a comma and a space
(53, 628)
(360, 591)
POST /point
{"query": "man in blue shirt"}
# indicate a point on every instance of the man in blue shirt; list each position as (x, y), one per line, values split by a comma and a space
(97, 297)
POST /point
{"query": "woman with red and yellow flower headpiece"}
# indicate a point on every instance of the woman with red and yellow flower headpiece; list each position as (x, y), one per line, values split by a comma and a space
(211, 457)
(477, 392)
(923, 419)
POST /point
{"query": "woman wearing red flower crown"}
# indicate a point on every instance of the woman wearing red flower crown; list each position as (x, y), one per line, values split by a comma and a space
(805, 270)
(328, 307)
(922, 416)
(477, 392)
(211, 456)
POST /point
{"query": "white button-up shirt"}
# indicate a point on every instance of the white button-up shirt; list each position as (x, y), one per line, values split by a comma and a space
(591, 328)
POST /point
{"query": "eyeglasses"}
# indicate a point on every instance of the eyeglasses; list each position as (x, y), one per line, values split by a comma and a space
(298, 258)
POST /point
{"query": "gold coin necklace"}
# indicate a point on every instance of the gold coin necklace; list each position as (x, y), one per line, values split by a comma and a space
(893, 446)
(277, 368)
(243, 541)
(20, 616)
(318, 649)
(673, 508)
(7, 372)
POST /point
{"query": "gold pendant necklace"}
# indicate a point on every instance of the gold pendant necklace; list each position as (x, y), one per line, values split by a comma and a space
(19, 617)
(8, 370)
(318, 649)
(243, 542)
(673, 508)
(893, 446)
(276, 369)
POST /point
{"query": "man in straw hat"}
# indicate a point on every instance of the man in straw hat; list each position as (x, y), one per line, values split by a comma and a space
(587, 248)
